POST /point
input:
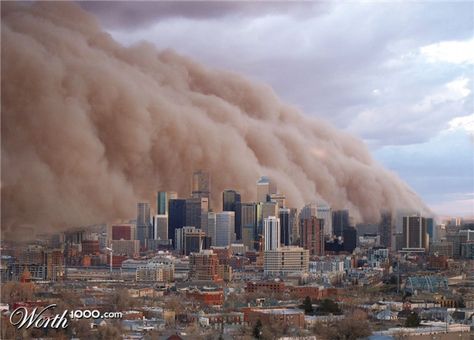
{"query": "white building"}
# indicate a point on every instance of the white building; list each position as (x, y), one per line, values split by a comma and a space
(211, 227)
(225, 228)
(271, 233)
(286, 260)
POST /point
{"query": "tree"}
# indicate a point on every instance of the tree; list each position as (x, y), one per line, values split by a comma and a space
(346, 329)
(413, 320)
(307, 305)
(327, 306)
(257, 329)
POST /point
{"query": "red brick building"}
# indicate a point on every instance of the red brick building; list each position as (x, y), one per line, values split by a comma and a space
(276, 287)
(210, 298)
(284, 316)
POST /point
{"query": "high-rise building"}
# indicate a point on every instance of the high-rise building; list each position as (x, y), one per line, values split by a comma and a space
(430, 229)
(271, 233)
(225, 228)
(340, 220)
(415, 234)
(161, 203)
(143, 223)
(160, 226)
(201, 186)
(265, 187)
(249, 224)
(211, 227)
(190, 239)
(196, 212)
(286, 226)
(324, 212)
(231, 202)
(349, 236)
(385, 230)
(312, 236)
(176, 216)
(319, 210)
(265, 209)
(279, 199)
(286, 260)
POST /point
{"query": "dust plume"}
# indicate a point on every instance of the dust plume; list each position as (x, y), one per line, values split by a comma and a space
(90, 127)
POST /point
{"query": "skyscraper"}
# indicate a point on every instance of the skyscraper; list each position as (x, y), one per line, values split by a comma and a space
(144, 230)
(280, 199)
(196, 211)
(249, 224)
(176, 216)
(286, 226)
(312, 235)
(211, 227)
(191, 239)
(271, 233)
(201, 186)
(225, 228)
(265, 187)
(324, 212)
(162, 203)
(415, 233)
(385, 229)
(319, 210)
(349, 235)
(340, 220)
(267, 209)
(231, 202)
(160, 226)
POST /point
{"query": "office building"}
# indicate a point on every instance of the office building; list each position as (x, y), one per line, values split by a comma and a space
(286, 260)
(176, 216)
(271, 233)
(211, 227)
(162, 203)
(231, 202)
(312, 236)
(385, 230)
(324, 212)
(279, 199)
(160, 227)
(196, 212)
(144, 230)
(349, 236)
(340, 220)
(415, 233)
(249, 224)
(201, 186)
(190, 239)
(225, 226)
(286, 226)
(265, 187)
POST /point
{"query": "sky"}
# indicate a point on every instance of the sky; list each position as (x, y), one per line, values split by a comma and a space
(399, 75)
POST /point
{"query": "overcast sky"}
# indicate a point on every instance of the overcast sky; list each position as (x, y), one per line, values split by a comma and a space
(398, 75)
